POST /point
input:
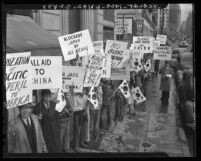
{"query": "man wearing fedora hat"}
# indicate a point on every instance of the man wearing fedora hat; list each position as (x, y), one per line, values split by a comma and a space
(49, 119)
(24, 132)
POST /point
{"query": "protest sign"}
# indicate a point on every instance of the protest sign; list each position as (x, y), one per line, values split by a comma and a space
(161, 38)
(119, 74)
(94, 71)
(116, 50)
(61, 102)
(156, 44)
(18, 79)
(148, 62)
(93, 98)
(137, 95)
(121, 27)
(163, 53)
(145, 44)
(73, 76)
(77, 43)
(135, 61)
(98, 47)
(107, 67)
(47, 72)
(124, 88)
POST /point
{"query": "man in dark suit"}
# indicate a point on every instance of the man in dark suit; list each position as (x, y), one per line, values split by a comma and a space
(49, 119)
(24, 133)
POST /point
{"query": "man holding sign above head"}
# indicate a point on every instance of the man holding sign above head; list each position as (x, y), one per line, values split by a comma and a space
(24, 132)
(49, 119)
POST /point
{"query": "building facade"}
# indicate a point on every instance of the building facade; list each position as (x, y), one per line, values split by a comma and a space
(60, 22)
(174, 20)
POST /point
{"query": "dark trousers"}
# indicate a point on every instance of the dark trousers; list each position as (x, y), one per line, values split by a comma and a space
(65, 135)
(106, 117)
(165, 97)
(95, 121)
(78, 124)
(156, 73)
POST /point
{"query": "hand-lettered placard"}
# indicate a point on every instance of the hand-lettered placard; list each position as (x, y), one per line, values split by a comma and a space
(18, 79)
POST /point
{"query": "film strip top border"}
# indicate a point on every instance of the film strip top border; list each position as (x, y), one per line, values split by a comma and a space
(88, 6)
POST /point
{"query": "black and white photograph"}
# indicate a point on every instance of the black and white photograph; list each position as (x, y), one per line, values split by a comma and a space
(99, 80)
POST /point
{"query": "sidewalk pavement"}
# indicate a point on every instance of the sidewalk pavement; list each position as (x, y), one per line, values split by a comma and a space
(153, 129)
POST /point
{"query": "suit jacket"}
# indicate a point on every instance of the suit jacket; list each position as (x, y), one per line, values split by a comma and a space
(50, 126)
(17, 138)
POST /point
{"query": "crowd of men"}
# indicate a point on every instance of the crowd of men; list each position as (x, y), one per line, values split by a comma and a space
(41, 129)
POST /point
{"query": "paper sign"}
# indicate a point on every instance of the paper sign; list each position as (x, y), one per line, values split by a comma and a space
(18, 79)
(163, 53)
(169, 75)
(124, 88)
(125, 27)
(77, 43)
(107, 67)
(161, 38)
(73, 76)
(147, 65)
(156, 44)
(61, 101)
(93, 98)
(116, 50)
(94, 71)
(119, 74)
(137, 95)
(98, 47)
(47, 72)
(145, 44)
(148, 62)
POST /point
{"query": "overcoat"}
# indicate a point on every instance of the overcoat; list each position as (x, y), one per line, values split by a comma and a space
(17, 138)
(50, 126)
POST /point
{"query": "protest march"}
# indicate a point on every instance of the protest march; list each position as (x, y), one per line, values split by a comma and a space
(95, 94)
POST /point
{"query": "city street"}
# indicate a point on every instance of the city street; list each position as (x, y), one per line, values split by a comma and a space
(153, 129)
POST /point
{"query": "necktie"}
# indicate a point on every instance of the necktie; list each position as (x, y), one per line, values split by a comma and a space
(28, 123)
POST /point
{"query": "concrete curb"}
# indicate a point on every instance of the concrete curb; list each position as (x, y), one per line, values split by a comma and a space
(185, 148)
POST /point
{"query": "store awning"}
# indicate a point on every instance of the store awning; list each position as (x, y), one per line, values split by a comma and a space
(23, 34)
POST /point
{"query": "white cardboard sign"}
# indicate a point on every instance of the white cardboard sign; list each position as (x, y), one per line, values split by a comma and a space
(77, 43)
(98, 47)
(145, 44)
(47, 72)
(137, 95)
(61, 102)
(161, 38)
(163, 53)
(117, 51)
(93, 98)
(73, 76)
(18, 79)
(124, 88)
(107, 67)
(94, 71)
